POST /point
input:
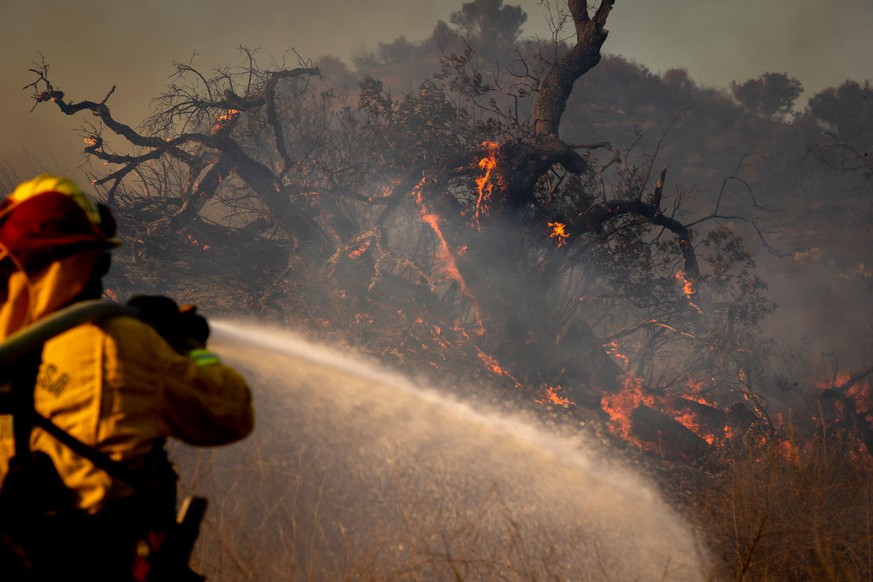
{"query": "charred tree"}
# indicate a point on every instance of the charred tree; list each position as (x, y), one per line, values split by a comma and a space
(196, 129)
(415, 224)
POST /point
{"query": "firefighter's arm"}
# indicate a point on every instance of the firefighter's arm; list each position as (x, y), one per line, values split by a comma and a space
(207, 403)
(201, 401)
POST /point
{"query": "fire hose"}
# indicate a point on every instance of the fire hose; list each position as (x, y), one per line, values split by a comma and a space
(31, 338)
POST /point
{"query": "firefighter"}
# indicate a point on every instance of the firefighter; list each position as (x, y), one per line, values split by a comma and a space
(116, 385)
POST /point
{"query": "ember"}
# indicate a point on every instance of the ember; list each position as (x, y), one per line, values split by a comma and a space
(493, 366)
(355, 253)
(687, 289)
(223, 121)
(559, 233)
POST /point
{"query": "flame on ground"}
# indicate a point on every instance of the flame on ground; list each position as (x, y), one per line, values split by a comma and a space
(621, 405)
(445, 258)
(493, 366)
(612, 349)
(554, 395)
(355, 253)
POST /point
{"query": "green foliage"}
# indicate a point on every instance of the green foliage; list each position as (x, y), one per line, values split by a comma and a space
(490, 23)
(772, 95)
(845, 113)
(846, 110)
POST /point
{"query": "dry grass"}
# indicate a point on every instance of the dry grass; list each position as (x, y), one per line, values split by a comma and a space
(771, 517)
(253, 534)
(803, 516)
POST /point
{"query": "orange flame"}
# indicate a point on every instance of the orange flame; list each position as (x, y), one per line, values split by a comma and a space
(491, 363)
(193, 240)
(485, 183)
(222, 121)
(493, 366)
(687, 289)
(559, 233)
(612, 349)
(694, 393)
(859, 390)
(355, 253)
(788, 451)
(445, 257)
(689, 420)
(553, 396)
(621, 405)
(110, 295)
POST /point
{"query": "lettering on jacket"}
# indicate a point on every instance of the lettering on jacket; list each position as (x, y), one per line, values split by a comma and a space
(52, 380)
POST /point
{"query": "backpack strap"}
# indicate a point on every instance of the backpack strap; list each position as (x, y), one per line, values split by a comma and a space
(21, 355)
(26, 417)
(100, 460)
(20, 399)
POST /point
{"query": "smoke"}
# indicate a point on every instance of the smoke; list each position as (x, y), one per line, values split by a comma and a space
(354, 472)
(93, 45)
(723, 41)
(824, 305)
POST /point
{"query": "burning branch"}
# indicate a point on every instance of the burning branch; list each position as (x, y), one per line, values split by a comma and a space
(445, 258)
(842, 384)
(687, 289)
(485, 183)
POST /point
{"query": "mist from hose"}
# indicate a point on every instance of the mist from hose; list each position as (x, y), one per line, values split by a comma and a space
(357, 473)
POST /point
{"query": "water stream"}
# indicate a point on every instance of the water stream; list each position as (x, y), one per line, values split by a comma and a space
(355, 473)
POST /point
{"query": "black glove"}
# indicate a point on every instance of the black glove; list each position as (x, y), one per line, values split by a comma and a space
(182, 328)
(195, 325)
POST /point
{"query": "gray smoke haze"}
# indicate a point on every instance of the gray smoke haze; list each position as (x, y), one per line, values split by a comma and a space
(94, 44)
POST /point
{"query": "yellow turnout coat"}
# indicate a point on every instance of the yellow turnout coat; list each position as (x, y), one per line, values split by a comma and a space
(117, 386)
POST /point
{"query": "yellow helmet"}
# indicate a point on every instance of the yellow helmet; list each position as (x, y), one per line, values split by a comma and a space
(49, 183)
(49, 217)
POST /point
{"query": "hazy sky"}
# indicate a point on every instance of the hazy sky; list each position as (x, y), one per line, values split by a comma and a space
(93, 44)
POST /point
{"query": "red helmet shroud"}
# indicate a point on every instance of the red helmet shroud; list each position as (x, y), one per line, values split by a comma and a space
(47, 227)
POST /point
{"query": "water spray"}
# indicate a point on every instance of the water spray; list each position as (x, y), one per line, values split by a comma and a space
(357, 472)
